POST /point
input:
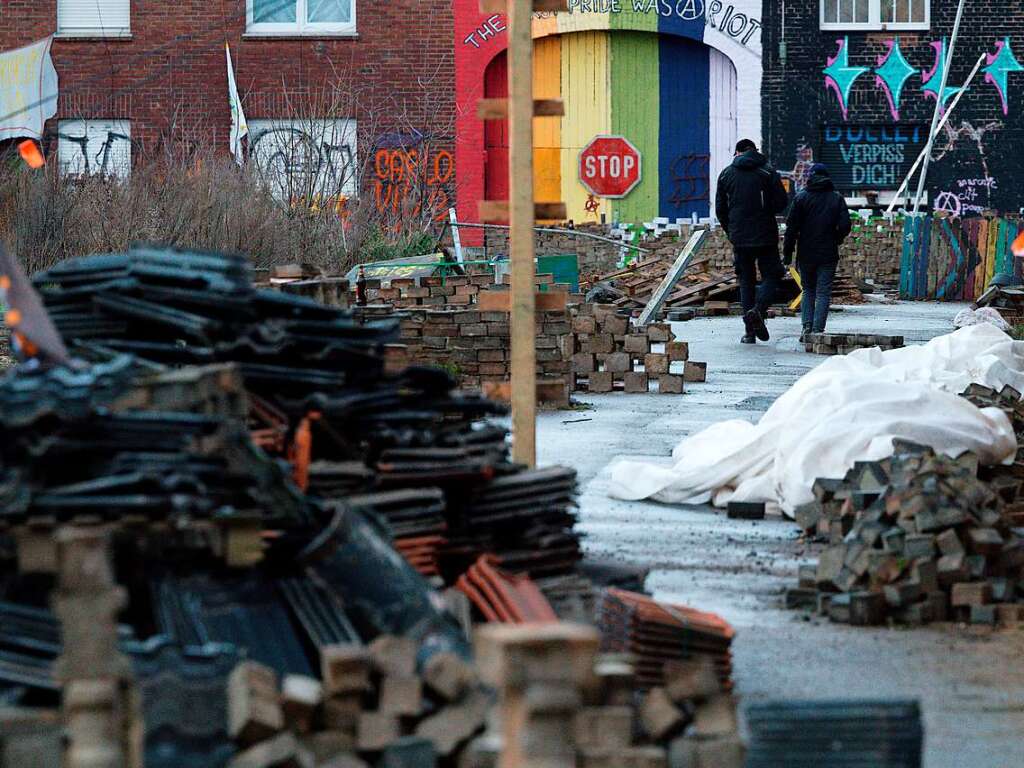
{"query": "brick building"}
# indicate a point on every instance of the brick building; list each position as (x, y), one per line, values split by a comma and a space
(328, 86)
(854, 83)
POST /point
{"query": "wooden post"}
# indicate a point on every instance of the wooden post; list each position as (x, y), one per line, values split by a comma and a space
(521, 221)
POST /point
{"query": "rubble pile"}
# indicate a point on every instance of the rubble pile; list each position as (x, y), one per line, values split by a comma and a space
(845, 343)
(612, 356)
(366, 705)
(227, 494)
(561, 702)
(706, 288)
(320, 394)
(918, 537)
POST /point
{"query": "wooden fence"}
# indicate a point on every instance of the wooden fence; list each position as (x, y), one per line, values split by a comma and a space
(954, 259)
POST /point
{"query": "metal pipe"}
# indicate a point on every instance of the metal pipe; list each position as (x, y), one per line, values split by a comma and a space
(558, 231)
(938, 106)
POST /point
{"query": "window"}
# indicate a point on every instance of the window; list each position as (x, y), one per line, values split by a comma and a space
(309, 160)
(875, 14)
(93, 18)
(95, 147)
(301, 17)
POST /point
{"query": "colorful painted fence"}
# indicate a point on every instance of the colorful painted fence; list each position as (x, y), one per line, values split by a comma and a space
(953, 259)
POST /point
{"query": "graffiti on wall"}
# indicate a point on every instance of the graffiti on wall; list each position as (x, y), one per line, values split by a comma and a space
(722, 16)
(968, 194)
(933, 77)
(893, 71)
(689, 180)
(1000, 65)
(840, 76)
(891, 74)
(305, 159)
(413, 181)
(90, 147)
(491, 28)
(871, 156)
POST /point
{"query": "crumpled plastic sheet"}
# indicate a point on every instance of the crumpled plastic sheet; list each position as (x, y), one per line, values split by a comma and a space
(967, 317)
(848, 409)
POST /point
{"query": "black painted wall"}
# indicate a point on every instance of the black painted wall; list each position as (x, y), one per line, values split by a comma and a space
(978, 162)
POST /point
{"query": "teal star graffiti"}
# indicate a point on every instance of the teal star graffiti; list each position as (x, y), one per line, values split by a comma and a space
(891, 75)
(933, 79)
(1000, 65)
(840, 76)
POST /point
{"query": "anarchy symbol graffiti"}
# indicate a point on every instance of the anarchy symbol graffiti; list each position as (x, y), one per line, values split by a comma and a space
(947, 202)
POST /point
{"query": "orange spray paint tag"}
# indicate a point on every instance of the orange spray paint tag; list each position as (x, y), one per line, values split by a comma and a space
(1018, 245)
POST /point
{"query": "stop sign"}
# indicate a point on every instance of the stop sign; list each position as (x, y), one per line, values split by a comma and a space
(610, 166)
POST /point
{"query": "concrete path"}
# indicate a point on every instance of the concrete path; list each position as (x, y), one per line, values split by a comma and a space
(970, 682)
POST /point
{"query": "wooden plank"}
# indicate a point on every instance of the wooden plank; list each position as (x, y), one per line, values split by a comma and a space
(696, 241)
(924, 247)
(907, 258)
(521, 222)
(990, 261)
(497, 109)
(488, 7)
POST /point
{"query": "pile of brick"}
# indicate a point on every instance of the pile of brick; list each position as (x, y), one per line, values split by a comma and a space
(609, 355)
(474, 345)
(561, 703)
(845, 343)
(917, 537)
(434, 292)
(371, 707)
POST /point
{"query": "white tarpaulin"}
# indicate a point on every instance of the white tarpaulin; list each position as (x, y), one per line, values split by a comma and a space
(28, 91)
(847, 409)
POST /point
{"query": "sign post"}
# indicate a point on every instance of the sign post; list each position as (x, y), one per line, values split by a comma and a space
(610, 166)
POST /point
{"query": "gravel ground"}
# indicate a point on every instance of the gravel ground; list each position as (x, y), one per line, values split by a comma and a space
(970, 682)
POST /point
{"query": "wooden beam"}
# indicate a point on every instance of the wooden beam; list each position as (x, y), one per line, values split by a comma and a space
(521, 221)
(501, 210)
(539, 6)
(672, 276)
(497, 109)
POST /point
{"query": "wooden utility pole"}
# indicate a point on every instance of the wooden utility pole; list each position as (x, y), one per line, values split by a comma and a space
(520, 161)
(521, 211)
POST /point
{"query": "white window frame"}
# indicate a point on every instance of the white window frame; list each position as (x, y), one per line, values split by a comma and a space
(875, 21)
(100, 30)
(66, 126)
(299, 28)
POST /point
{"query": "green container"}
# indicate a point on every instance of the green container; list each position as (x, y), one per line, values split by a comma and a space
(564, 266)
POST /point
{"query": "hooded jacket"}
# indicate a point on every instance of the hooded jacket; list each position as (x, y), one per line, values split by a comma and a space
(818, 223)
(750, 195)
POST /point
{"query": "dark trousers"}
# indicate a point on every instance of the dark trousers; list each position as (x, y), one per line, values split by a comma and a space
(817, 284)
(748, 261)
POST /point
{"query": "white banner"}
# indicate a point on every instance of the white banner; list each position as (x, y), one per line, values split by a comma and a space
(28, 90)
(239, 128)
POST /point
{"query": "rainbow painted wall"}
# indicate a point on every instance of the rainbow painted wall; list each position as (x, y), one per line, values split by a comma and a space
(680, 81)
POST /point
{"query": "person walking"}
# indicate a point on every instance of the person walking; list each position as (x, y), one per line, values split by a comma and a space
(817, 224)
(750, 195)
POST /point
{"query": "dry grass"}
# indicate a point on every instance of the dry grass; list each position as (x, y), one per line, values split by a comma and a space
(200, 203)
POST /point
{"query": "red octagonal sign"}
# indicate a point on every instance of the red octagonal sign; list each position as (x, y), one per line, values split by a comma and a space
(610, 166)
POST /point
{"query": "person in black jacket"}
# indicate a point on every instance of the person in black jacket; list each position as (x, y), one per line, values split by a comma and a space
(818, 223)
(750, 195)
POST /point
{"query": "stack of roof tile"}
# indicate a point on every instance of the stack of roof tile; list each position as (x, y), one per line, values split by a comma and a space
(503, 597)
(859, 734)
(525, 518)
(655, 633)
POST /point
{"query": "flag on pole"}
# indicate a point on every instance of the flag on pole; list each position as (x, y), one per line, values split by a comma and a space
(239, 128)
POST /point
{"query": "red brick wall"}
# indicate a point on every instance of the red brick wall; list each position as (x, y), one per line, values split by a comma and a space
(172, 72)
